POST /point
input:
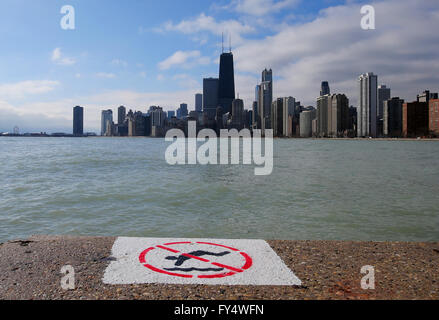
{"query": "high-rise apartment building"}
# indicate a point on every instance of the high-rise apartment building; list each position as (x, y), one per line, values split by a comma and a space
(265, 99)
(255, 115)
(183, 111)
(338, 121)
(415, 119)
(306, 120)
(368, 104)
(121, 115)
(171, 114)
(210, 98)
(199, 102)
(434, 116)
(106, 117)
(392, 117)
(288, 111)
(384, 94)
(78, 121)
(238, 119)
(324, 113)
(277, 117)
(158, 116)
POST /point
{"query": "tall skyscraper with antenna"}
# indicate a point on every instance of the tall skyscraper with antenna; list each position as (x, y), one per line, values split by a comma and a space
(226, 85)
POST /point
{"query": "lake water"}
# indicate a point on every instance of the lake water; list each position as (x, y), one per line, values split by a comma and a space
(319, 189)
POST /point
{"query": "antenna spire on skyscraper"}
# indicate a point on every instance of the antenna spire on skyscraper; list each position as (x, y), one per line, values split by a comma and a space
(222, 42)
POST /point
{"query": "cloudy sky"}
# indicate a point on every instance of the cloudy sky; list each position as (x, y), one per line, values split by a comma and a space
(142, 53)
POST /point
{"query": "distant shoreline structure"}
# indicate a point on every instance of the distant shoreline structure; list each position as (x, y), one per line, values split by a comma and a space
(149, 137)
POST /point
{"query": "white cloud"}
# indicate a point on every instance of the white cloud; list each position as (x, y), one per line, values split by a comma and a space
(262, 7)
(60, 59)
(204, 23)
(186, 81)
(185, 59)
(105, 75)
(119, 62)
(24, 88)
(402, 51)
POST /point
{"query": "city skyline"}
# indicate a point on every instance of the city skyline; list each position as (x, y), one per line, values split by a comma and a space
(67, 73)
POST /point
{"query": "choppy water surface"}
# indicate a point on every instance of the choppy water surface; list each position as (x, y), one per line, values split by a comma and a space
(319, 189)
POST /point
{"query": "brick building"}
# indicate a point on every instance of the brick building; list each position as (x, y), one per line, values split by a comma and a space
(434, 116)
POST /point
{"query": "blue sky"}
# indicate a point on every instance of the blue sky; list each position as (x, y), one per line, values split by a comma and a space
(142, 53)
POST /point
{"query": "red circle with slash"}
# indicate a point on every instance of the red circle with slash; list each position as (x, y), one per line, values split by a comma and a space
(171, 247)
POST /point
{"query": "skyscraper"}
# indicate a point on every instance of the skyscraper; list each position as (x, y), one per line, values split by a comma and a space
(238, 114)
(198, 102)
(289, 104)
(339, 121)
(324, 113)
(265, 99)
(171, 114)
(383, 95)
(415, 119)
(210, 98)
(158, 116)
(392, 117)
(78, 121)
(368, 104)
(255, 115)
(107, 116)
(226, 84)
(183, 110)
(277, 114)
(121, 115)
(325, 88)
(306, 118)
(257, 110)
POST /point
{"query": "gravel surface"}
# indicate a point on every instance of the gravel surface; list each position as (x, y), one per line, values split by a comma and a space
(30, 269)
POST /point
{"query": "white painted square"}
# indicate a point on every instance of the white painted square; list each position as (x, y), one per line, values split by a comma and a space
(196, 261)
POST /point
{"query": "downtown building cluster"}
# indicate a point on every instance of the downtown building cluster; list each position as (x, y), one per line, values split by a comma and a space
(377, 114)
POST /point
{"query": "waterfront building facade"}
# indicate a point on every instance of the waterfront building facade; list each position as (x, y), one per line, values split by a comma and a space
(306, 123)
(78, 121)
(338, 117)
(198, 102)
(210, 99)
(368, 104)
(434, 116)
(106, 117)
(415, 119)
(324, 112)
(392, 117)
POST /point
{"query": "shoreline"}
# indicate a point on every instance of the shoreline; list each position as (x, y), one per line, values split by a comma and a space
(275, 138)
(30, 269)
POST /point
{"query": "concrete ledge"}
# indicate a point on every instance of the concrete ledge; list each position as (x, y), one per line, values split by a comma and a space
(30, 269)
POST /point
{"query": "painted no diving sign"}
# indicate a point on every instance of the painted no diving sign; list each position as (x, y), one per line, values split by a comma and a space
(196, 261)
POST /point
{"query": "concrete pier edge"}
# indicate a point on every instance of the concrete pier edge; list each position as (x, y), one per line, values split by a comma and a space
(31, 269)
